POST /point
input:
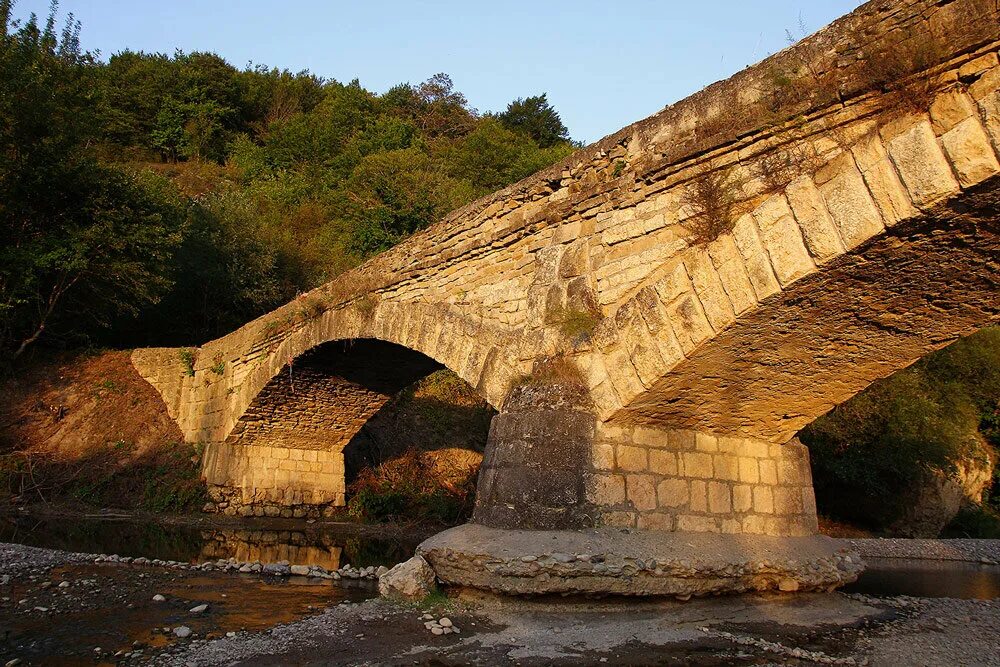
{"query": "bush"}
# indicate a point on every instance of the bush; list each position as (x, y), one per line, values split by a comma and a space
(714, 198)
(976, 521)
(408, 487)
(167, 480)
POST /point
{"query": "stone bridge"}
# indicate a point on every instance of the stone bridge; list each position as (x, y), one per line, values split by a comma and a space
(658, 315)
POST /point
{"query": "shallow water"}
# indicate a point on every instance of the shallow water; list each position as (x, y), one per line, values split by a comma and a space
(108, 609)
(924, 578)
(321, 545)
(109, 606)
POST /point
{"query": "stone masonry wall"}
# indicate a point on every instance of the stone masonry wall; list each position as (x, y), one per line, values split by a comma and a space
(689, 481)
(309, 410)
(253, 480)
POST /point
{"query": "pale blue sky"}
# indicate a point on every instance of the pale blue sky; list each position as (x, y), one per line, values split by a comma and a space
(603, 63)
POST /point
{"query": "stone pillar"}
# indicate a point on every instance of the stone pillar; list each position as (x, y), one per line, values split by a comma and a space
(537, 460)
(566, 506)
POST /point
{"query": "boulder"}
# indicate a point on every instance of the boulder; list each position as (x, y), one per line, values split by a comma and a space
(936, 501)
(412, 580)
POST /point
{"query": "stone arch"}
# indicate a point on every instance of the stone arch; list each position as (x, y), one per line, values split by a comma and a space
(915, 289)
(285, 455)
(210, 390)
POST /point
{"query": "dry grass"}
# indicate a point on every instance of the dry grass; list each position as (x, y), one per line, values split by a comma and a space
(556, 370)
(366, 306)
(898, 72)
(778, 168)
(714, 198)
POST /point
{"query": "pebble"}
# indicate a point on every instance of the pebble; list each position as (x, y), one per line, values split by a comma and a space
(182, 631)
(159, 598)
(445, 622)
(13, 663)
(437, 631)
(63, 584)
(198, 609)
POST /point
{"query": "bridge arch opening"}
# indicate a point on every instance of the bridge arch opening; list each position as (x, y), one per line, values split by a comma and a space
(340, 409)
(914, 453)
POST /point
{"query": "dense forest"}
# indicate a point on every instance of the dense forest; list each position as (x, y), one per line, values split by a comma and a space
(154, 200)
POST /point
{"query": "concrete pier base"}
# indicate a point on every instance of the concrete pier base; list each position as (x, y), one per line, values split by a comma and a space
(612, 561)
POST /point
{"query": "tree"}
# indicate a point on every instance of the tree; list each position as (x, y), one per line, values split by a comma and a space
(536, 117)
(392, 194)
(81, 241)
(434, 106)
(492, 156)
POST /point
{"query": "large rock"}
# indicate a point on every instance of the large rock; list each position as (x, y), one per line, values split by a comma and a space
(412, 580)
(936, 502)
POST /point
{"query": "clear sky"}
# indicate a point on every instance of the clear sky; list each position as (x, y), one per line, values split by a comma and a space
(603, 63)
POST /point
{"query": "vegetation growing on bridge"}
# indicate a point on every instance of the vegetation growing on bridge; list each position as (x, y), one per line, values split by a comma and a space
(157, 200)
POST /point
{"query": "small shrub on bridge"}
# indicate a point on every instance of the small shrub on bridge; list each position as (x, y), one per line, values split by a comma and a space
(778, 168)
(714, 198)
(577, 325)
(896, 71)
(187, 359)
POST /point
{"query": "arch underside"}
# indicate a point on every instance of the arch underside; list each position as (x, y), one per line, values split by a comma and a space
(285, 454)
(864, 316)
(326, 395)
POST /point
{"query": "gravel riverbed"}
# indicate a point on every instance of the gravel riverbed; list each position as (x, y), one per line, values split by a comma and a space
(69, 608)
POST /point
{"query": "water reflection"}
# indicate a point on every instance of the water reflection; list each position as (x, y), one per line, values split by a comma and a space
(923, 578)
(327, 546)
(269, 546)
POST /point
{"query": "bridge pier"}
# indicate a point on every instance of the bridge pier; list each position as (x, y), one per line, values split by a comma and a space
(566, 504)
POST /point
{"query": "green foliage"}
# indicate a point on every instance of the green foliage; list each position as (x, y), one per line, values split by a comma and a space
(975, 521)
(577, 325)
(436, 599)
(492, 156)
(85, 242)
(536, 117)
(869, 452)
(187, 359)
(164, 200)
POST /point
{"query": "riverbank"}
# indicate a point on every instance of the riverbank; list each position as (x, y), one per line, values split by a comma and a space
(986, 552)
(57, 607)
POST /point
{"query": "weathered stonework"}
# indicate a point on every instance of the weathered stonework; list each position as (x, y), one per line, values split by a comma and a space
(705, 356)
(696, 482)
(285, 456)
(623, 562)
